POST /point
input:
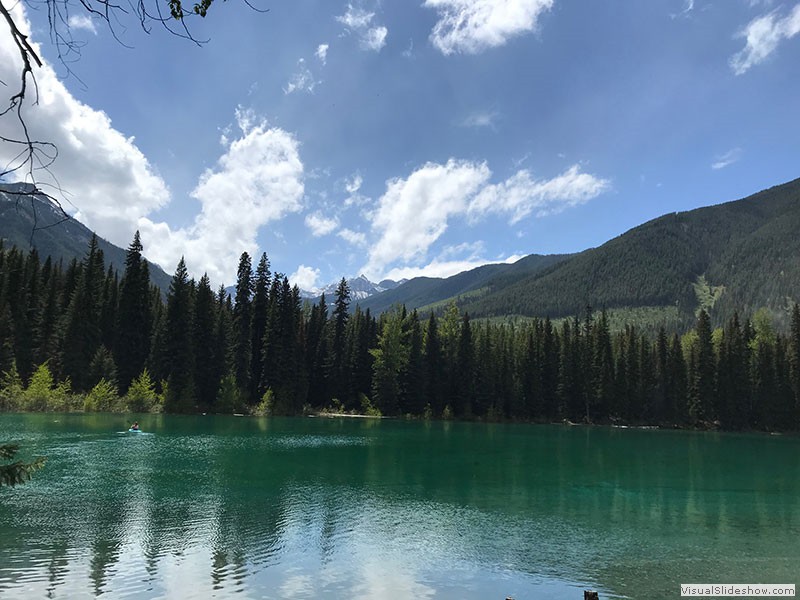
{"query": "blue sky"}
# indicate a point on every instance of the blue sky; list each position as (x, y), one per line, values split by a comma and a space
(413, 137)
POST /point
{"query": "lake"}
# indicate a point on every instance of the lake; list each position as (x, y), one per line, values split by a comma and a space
(224, 507)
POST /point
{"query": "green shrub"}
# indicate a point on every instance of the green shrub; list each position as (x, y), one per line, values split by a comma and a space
(266, 406)
(43, 394)
(142, 395)
(102, 397)
(10, 389)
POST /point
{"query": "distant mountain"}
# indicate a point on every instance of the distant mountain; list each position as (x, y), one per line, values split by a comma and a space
(741, 255)
(427, 292)
(21, 212)
(360, 289)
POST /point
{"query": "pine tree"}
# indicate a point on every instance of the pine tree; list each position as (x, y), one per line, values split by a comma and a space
(82, 333)
(242, 321)
(464, 396)
(702, 383)
(391, 356)
(316, 351)
(260, 307)
(434, 368)
(135, 317)
(206, 382)
(337, 374)
(412, 383)
(179, 357)
(794, 361)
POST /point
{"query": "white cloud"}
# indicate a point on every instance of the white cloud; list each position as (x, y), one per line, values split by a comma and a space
(520, 195)
(355, 18)
(762, 35)
(102, 172)
(302, 81)
(322, 53)
(374, 38)
(82, 22)
(371, 37)
(356, 238)
(258, 180)
(471, 26)
(353, 184)
(467, 250)
(688, 7)
(480, 119)
(305, 278)
(413, 213)
(444, 268)
(724, 160)
(320, 225)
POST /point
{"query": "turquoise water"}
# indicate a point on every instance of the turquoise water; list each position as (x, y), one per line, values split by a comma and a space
(224, 507)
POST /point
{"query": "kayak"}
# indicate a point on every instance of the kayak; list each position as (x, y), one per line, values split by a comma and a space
(135, 431)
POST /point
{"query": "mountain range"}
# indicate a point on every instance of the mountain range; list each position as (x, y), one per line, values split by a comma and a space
(737, 256)
(30, 220)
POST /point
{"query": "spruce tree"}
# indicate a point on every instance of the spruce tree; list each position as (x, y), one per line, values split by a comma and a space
(135, 317)
(702, 383)
(794, 361)
(82, 333)
(433, 368)
(206, 381)
(260, 306)
(335, 365)
(242, 321)
(179, 357)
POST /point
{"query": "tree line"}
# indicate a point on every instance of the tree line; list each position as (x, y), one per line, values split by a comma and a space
(82, 336)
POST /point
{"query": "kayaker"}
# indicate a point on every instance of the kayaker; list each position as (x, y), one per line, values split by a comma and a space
(135, 426)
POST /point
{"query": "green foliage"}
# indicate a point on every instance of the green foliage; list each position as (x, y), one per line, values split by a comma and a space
(141, 396)
(11, 389)
(229, 398)
(103, 397)
(707, 294)
(366, 406)
(266, 406)
(17, 472)
(43, 394)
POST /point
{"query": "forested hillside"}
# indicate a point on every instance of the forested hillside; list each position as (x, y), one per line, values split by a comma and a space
(424, 291)
(83, 338)
(746, 253)
(29, 220)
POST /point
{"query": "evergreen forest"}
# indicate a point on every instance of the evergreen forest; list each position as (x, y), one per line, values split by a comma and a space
(81, 336)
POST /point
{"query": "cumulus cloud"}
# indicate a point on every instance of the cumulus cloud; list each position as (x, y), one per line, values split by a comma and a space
(101, 171)
(521, 195)
(321, 225)
(762, 37)
(302, 81)
(415, 212)
(471, 26)
(359, 21)
(258, 180)
(305, 278)
(322, 53)
(724, 160)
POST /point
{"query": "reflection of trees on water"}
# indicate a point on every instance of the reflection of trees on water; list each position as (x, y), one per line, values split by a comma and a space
(583, 503)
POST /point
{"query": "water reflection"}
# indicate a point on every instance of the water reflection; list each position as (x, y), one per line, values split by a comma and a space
(376, 509)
